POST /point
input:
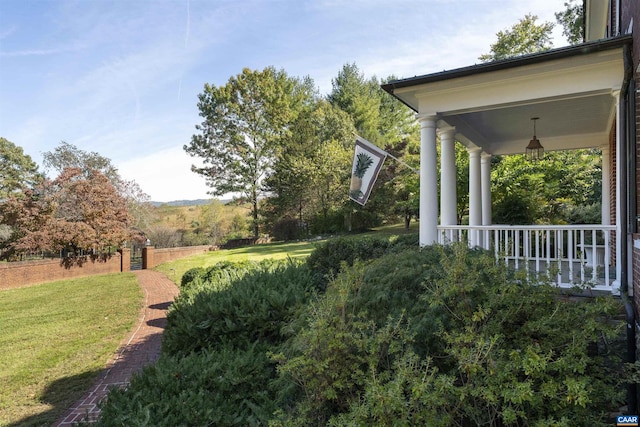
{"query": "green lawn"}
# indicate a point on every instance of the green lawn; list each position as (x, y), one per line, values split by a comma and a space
(55, 338)
(175, 269)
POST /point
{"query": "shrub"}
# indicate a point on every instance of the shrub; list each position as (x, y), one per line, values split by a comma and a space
(190, 275)
(225, 387)
(325, 261)
(237, 306)
(445, 336)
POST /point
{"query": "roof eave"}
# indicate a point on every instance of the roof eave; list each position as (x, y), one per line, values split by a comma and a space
(560, 53)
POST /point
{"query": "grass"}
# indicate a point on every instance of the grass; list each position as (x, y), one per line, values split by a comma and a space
(175, 269)
(55, 338)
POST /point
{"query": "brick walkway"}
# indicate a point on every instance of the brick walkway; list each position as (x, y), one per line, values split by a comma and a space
(141, 347)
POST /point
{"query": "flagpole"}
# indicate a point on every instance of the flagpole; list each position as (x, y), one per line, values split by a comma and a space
(390, 155)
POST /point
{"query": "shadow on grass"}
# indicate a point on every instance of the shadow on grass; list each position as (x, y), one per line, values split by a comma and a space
(92, 386)
(60, 394)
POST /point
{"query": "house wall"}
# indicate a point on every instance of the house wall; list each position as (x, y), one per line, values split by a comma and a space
(24, 273)
(630, 9)
(636, 271)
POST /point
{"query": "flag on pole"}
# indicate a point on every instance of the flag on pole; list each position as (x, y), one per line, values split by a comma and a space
(367, 162)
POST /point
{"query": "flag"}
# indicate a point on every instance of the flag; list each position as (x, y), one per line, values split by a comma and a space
(367, 162)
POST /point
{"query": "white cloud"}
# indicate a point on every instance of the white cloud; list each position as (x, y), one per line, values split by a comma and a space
(166, 176)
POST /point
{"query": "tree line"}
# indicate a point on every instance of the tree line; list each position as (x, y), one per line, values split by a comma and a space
(285, 151)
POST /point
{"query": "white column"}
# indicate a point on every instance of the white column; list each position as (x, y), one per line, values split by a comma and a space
(620, 239)
(448, 195)
(485, 172)
(428, 181)
(606, 183)
(475, 198)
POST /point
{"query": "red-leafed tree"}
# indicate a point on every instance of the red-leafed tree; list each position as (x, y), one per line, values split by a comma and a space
(77, 212)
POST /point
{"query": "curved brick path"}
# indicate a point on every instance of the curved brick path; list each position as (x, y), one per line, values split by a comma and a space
(141, 346)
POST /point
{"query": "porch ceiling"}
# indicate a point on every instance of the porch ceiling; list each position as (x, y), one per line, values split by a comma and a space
(572, 90)
(573, 123)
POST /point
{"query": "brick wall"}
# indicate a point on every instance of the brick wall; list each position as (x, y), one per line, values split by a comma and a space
(152, 256)
(18, 274)
(636, 272)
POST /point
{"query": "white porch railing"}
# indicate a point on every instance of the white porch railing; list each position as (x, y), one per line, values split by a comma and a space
(569, 255)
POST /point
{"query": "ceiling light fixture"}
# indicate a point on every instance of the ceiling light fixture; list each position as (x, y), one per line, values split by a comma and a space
(535, 150)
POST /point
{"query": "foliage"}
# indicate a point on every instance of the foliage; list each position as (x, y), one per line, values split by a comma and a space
(18, 170)
(547, 191)
(413, 336)
(191, 275)
(237, 306)
(56, 338)
(74, 212)
(523, 38)
(214, 368)
(329, 257)
(311, 174)
(244, 123)
(221, 387)
(164, 237)
(572, 21)
(68, 156)
(495, 350)
(359, 98)
(287, 229)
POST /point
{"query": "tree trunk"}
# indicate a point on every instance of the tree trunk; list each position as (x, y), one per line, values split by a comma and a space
(256, 233)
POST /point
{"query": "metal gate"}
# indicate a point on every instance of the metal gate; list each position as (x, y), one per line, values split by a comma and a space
(136, 258)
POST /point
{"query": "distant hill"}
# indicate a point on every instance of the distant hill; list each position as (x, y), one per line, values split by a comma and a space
(198, 202)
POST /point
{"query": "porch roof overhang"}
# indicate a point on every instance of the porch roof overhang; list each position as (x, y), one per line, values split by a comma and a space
(572, 90)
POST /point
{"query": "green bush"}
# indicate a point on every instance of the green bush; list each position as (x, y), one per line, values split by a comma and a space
(190, 275)
(237, 306)
(482, 347)
(225, 387)
(433, 336)
(326, 260)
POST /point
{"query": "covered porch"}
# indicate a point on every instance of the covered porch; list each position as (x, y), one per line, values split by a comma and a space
(576, 94)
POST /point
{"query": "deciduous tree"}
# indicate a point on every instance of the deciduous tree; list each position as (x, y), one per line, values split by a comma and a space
(67, 156)
(241, 134)
(524, 37)
(572, 21)
(74, 213)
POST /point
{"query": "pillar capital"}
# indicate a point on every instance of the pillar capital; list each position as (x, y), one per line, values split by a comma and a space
(485, 157)
(427, 120)
(447, 131)
(474, 151)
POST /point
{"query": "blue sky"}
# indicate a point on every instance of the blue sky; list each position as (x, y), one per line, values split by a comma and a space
(121, 77)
